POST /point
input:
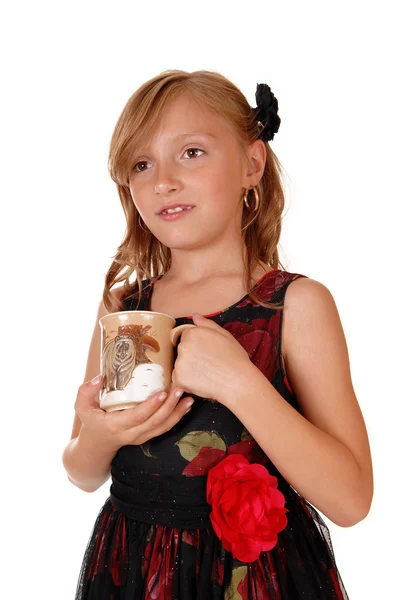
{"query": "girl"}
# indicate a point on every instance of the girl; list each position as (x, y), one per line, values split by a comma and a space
(215, 501)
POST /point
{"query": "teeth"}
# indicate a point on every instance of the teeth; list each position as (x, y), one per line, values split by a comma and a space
(174, 210)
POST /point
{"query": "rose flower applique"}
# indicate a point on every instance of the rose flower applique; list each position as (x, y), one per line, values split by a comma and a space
(247, 508)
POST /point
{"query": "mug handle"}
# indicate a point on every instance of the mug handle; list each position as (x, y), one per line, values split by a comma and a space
(177, 331)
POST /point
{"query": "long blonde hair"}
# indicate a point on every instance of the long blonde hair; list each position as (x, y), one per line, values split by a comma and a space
(140, 251)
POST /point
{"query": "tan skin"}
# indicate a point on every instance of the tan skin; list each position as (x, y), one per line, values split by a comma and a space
(207, 275)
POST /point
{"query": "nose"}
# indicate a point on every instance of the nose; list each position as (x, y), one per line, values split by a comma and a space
(165, 180)
(164, 188)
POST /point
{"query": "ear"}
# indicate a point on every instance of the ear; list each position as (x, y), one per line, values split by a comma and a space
(255, 162)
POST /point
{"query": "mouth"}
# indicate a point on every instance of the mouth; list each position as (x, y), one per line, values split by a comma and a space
(172, 209)
(176, 214)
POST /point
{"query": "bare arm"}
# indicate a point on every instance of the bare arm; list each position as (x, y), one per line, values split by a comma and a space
(325, 453)
(88, 465)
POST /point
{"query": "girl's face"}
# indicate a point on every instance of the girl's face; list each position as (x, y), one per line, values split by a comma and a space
(193, 159)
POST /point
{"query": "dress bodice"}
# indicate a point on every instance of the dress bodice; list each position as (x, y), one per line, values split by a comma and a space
(210, 430)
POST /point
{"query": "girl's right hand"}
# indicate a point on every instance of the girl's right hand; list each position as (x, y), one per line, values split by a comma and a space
(132, 426)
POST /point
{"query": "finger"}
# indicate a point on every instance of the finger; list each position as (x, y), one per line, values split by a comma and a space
(140, 414)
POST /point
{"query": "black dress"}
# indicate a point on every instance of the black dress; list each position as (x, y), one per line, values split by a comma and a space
(153, 538)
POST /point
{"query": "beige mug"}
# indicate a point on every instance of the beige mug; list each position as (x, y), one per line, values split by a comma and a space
(137, 353)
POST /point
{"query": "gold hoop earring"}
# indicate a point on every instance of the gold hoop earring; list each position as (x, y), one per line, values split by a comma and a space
(257, 201)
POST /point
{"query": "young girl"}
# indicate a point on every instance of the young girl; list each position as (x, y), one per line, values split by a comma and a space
(215, 501)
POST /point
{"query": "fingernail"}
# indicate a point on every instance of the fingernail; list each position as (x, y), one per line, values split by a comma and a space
(162, 396)
(179, 393)
(190, 404)
(96, 380)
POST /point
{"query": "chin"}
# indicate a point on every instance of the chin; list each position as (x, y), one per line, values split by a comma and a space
(183, 242)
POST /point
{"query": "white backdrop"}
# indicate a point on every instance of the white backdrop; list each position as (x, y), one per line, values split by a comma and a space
(342, 74)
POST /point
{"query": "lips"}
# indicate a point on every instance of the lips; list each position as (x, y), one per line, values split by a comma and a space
(167, 206)
(176, 215)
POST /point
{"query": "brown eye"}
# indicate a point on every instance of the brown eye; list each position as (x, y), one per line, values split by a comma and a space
(196, 149)
(141, 162)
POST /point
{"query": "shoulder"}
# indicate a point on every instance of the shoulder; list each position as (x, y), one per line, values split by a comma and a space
(315, 351)
(310, 314)
(312, 334)
(307, 294)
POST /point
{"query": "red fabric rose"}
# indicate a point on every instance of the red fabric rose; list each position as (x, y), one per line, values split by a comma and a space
(247, 508)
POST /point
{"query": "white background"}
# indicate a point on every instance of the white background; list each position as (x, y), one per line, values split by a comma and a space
(342, 73)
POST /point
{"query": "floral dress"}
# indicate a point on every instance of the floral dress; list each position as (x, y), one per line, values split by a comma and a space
(163, 533)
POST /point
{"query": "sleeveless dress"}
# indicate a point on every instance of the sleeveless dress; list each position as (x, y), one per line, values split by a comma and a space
(153, 538)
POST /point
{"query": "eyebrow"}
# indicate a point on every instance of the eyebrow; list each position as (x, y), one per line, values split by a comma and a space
(212, 136)
(195, 133)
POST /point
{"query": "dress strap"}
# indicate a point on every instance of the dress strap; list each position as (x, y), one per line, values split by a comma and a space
(130, 302)
(279, 298)
(282, 286)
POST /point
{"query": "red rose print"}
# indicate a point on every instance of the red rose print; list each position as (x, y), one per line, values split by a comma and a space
(219, 571)
(334, 577)
(119, 556)
(96, 562)
(208, 457)
(259, 340)
(251, 450)
(202, 463)
(247, 508)
(243, 589)
(160, 555)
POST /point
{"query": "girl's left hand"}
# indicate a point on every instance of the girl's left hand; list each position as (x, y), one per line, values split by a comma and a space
(209, 360)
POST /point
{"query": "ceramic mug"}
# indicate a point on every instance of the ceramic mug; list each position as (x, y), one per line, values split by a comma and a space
(137, 354)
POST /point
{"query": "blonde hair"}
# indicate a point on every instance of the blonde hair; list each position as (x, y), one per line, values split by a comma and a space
(140, 251)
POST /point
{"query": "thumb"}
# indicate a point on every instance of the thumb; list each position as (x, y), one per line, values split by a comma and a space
(204, 322)
(94, 382)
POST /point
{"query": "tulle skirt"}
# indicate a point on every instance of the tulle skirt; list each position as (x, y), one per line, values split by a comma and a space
(129, 559)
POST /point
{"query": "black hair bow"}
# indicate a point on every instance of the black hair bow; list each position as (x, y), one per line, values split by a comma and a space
(266, 111)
